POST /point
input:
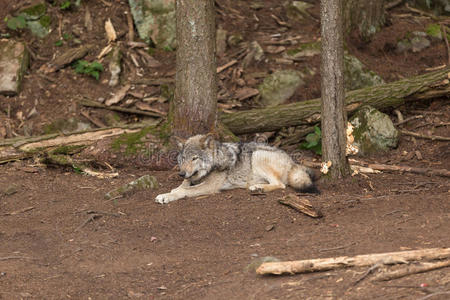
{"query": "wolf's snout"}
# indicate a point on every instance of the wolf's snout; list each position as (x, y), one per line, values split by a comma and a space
(182, 174)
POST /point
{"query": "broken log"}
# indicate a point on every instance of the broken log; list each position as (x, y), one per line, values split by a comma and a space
(323, 264)
(25, 147)
(427, 86)
(411, 269)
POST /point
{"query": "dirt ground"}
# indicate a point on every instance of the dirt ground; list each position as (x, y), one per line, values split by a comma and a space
(61, 239)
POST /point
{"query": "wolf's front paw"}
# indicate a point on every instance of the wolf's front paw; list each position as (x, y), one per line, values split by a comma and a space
(165, 198)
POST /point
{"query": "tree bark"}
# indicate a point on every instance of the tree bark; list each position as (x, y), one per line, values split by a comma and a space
(422, 87)
(334, 118)
(195, 109)
(365, 16)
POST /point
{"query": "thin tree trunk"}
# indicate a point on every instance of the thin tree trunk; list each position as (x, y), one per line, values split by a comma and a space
(422, 87)
(334, 118)
(195, 109)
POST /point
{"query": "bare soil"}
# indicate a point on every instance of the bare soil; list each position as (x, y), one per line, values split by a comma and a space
(60, 238)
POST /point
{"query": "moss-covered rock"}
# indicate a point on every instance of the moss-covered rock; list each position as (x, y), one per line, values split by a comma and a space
(298, 10)
(304, 50)
(357, 75)
(38, 22)
(373, 131)
(279, 87)
(155, 21)
(143, 183)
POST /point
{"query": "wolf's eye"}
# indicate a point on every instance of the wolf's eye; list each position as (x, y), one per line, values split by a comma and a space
(194, 158)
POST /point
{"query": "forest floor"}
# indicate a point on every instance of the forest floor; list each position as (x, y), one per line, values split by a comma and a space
(60, 238)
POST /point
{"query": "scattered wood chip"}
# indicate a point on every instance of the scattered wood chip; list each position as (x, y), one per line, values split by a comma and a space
(245, 93)
(274, 49)
(150, 60)
(66, 58)
(118, 96)
(227, 65)
(302, 205)
(105, 51)
(110, 31)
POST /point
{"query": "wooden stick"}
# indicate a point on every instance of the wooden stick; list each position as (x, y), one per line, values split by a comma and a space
(429, 137)
(89, 103)
(411, 269)
(323, 264)
(225, 66)
(301, 204)
(423, 171)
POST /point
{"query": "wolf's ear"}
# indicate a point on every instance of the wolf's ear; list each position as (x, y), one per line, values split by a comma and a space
(179, 141)
(208, 141)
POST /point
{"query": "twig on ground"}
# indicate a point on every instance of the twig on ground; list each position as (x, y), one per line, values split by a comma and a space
(435, 294)
(14, 257)
(93, 120)
(408, 119)
(429, 137)
(399, 115)
(89, 103)
(20, 211)
(421, 12)
(411, 269)
(89, 219)
(367, 273)
(227, 65)
(336, 248)
(130, 26)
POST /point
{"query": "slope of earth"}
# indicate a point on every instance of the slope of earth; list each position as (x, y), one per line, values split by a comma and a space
(60, 238)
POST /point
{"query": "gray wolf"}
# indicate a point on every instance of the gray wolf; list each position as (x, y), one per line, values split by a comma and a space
(209, 166)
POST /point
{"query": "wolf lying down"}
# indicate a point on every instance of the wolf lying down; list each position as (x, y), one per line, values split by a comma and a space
(209, 166)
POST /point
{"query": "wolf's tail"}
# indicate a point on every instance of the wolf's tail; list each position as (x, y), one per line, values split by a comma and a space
(302, 179)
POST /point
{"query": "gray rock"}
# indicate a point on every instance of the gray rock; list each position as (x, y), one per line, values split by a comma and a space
(419, 43)
(256, 53)
(14, 61)
(279, 87)
(155, 21)
(298, 10)
(37, 20)
(142, 183)
(357, 75)
(66, 126)
(373, 131)
(403, 46)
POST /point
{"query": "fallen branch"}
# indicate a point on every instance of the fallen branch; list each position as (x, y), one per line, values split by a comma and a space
(411, 269)
(422, 136)
(423, 171)
(427, 86)
(25, 147)
(66, 58)
(372, 168)
(89, 103)
(323, 264)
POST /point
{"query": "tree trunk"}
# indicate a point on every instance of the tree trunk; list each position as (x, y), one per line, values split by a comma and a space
(427, 86)
(365, 16)
(195, 109)
(334, 118)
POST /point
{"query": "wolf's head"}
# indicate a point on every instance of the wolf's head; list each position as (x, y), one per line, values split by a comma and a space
(196, 158)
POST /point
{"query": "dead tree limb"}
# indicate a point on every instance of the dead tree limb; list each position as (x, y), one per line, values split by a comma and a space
(323, 264)
(411, 269)
(22, 147)
(423, 171)
(422, 87)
